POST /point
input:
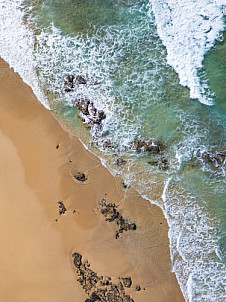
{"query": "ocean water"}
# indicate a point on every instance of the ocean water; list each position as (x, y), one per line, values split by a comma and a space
(159, 69)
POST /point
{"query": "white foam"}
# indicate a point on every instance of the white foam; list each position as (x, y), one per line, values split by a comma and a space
(188, 29)
(17, 45)
(165, 189)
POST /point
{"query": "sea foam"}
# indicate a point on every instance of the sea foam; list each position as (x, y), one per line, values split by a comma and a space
(17, 45)
(188, 29)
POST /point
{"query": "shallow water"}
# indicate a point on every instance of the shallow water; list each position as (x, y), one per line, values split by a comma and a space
(118, 45)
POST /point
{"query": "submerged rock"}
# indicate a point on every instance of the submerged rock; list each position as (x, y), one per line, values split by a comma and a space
(216, 159)
(80, 80)
(69, 83)
(162, 163)
(153, 147)
(121, 162)
(87, 108)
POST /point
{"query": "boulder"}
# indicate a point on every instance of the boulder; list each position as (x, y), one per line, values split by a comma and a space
(127, 282)
(80, 176)
(77, 259)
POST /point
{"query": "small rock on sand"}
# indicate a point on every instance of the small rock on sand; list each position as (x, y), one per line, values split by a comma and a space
(80, 177)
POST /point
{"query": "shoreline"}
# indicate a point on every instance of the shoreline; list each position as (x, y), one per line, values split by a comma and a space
(40, 160)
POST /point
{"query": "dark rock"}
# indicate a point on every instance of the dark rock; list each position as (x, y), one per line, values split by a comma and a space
(77, 259)
(121, 162)
(153, 162)
(162, 163)
(109, 210)
(97, 287)
(139, 145)
(80, 177)
(132, 226)
(153, 147)
(216, 159)
(92, 114)
(125, 185)
(69, 83)
(108, 145)
(62, 208)
(95, 297)
(57, 146)
(127, 282)
(80, 80)
(138, 288)
(127, 299)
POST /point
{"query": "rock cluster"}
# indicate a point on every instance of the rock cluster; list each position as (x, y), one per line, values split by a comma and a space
(161, 163)
(99, 288)
(92, 115)
(70, 81)
(216, 159)
(110, 212)
(62, 208)
(152, 147)
(80, 177)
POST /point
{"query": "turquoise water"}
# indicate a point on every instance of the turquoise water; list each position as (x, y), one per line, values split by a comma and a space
(117, 44)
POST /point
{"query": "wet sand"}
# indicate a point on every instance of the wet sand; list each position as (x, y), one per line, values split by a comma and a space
(38, 162)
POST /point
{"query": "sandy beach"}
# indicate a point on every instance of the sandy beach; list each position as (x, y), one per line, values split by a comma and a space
(47, 215)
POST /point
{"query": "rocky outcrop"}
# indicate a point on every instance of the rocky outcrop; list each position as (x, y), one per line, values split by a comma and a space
(70, 81)
(110, 212)
(152, 147)
(216, 159)
(88, 110)
(99, 288)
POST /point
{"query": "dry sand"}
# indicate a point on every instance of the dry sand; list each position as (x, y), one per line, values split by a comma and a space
(37, 243)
